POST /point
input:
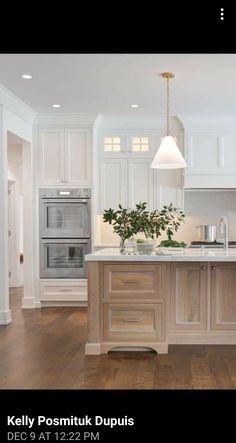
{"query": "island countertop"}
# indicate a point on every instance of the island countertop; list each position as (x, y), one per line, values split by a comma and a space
(187, 254)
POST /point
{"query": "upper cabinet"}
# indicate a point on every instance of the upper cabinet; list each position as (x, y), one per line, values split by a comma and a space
(51, 156)
(210, 150)
(126, 182)
(64, 156)
(125, 173)
(136, 143)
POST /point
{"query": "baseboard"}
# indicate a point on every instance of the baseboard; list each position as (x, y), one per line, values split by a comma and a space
(28, 303)
(5, 317)
(38, 304)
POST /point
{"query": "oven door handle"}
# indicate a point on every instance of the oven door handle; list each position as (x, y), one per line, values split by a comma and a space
(61, 241)
(64, 200)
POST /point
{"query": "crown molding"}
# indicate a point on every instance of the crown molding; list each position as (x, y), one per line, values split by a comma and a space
(66, 119)
(16, 105)
(209, 122)
(98, 121)
(142, 123)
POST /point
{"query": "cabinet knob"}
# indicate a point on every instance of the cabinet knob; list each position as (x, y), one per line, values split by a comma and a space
(213, 268)
(203, 268)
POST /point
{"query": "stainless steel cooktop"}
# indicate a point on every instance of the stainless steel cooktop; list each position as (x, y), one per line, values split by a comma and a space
(215, 244)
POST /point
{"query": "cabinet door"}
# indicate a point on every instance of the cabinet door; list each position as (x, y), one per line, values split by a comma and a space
(51, 156)
(77, 156)
(211, 160)
(112, 144)
(140, 182)
(223, 296)
(113, 183)
(168, 188)
(188, 296)
(140, 144)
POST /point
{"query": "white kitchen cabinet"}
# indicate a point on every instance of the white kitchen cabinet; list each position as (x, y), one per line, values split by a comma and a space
(67, 290)
(126, 182)
(64, 156)
(140, 182)
(211, 159)
(112, 183)
(77, 157)
(51, 156)
(136, 143)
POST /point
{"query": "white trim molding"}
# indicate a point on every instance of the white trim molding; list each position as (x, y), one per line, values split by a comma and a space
(66, 119)
(28, 303)
(148, 123)
(208, 122)
(16, 105)
(5, 317)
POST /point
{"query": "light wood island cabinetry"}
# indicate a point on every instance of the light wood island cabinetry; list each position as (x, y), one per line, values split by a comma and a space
(127, 306)
(150, 304)
(189, 296)
(223, 296)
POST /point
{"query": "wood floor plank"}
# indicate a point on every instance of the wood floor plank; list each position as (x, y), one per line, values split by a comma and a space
(44, 348)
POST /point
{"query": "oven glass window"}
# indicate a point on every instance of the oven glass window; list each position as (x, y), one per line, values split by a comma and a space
(65, 256)
(67, 216)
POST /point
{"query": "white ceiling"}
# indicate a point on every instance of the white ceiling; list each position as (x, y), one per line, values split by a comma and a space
(109, 83)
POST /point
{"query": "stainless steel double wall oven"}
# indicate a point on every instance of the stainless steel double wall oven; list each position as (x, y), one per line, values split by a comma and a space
(65, 232)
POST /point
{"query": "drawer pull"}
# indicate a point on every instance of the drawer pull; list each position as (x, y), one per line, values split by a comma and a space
(132, 320)
(203, 268)
(132, 281)
(65, 290)
(213, 268)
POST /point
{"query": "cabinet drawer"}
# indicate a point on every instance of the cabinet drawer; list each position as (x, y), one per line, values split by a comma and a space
(63, 291)
(132, 281)
(132, 320)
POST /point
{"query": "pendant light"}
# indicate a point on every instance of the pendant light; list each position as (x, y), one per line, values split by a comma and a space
(168, 155)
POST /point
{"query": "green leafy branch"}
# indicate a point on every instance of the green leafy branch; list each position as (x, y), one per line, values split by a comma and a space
(129, 222)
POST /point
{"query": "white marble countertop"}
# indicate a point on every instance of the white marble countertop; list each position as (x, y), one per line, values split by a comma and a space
(187, 254)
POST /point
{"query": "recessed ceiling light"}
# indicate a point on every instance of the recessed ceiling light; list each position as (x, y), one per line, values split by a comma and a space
(56, 105)
(26, 76)
(134, 106)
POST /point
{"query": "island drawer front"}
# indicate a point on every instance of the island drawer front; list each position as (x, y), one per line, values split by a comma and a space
(132, 281)
(132, 320)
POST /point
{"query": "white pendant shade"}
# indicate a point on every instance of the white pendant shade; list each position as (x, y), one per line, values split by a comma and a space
(168, 155)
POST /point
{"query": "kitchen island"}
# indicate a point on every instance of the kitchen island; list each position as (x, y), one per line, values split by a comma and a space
(146, 302)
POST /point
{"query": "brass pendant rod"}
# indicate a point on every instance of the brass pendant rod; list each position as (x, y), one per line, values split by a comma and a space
(168, 75)
(168, 108)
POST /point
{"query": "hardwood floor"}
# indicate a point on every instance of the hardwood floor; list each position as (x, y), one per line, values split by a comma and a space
(44, 348)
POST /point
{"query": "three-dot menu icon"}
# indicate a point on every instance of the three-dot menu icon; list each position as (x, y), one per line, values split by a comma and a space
(222, 13)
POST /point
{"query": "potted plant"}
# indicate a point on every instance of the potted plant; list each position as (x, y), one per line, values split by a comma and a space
(129, 222)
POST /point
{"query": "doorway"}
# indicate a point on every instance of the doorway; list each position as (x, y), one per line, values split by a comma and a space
(20, 221)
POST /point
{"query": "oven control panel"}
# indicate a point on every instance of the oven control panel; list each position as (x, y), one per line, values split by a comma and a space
(65, 193)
